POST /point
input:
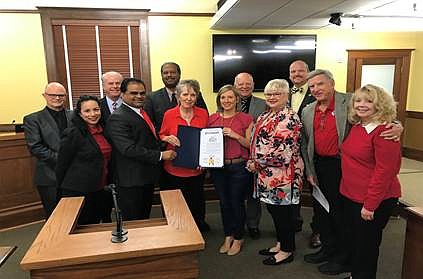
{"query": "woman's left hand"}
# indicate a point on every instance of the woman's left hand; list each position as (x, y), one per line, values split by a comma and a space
(367, 214)
(393, 132)
(229, 133)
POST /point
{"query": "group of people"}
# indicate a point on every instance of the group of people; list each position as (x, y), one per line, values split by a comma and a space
(345, 144)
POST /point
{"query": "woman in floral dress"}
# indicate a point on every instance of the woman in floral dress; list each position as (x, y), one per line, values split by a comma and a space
(275, 158)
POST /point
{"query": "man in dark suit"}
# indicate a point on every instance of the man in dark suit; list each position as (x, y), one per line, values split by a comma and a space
(112, 97)
(136, 150)
(158, 102)
(299, 97)
(42, 133)
(244, 83)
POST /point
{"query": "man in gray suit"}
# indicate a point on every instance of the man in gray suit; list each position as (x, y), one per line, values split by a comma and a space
(255, 106)
(42, 133)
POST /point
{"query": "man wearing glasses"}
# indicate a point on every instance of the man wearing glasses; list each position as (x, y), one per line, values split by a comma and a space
(42, 133)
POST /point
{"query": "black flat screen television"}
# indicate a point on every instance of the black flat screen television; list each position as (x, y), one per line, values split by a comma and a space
(265, 57)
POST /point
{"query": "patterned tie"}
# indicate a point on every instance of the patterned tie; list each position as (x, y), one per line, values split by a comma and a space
(244, 105)
(174, 102)
(148, 121)
(114, 106)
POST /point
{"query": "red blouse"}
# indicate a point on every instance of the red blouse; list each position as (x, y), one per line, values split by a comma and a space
(239, 124)
(370, 167)
(105, 148)
(171, 119)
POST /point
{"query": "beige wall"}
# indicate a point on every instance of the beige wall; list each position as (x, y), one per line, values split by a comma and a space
(23, 73)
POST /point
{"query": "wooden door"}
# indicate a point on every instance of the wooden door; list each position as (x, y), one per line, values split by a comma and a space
(396, 62)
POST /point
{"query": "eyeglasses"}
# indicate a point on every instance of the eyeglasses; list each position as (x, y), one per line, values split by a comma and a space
(55, 95)
(270, 95)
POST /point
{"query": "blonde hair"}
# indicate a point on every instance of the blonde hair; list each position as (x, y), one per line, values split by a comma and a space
(224, 89)
(277, 85)
(385, 106)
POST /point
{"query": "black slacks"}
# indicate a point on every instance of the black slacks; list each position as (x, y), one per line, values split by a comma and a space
(94, 204)
(328, 171)
(366, 236)
(135, 202)
(284, 220)
(192, 189)
(48, 195)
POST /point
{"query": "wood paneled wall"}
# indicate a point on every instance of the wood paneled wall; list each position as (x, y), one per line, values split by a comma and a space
(19, 200)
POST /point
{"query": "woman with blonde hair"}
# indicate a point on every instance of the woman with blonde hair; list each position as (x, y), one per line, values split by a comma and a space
(232, 181)
(370, 167)
(275, 158)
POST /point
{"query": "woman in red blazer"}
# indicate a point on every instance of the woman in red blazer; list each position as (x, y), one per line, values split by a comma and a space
(370, 167)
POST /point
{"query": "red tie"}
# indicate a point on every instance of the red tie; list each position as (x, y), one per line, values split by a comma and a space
(149, 123)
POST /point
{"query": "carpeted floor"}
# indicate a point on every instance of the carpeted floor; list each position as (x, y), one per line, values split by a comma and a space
(245, 265)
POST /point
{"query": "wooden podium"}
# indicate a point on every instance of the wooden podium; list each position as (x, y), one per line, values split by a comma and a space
(412, 266)
(156, 248)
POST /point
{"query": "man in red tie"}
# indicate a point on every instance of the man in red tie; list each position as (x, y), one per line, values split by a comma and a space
(136, 150)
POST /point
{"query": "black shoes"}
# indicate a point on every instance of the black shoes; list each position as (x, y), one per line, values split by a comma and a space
(316, 258)
(254, 233)
(315, 240)
(333, 268)
(267, 252)
(272, 260)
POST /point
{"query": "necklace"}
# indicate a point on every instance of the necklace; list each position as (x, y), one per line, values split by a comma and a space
(222, 115)
(187, 116)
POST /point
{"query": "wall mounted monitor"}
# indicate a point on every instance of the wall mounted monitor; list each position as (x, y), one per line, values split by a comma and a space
(266, 57)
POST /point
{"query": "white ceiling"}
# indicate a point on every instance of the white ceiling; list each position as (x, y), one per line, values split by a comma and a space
(364, 15)
(382, 15)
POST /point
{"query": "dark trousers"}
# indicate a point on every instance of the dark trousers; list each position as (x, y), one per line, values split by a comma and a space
(328, 171)
(192, 189)
(253, 206)
(107, 209)
(135, 202)
(48, 195)
(93, 207)
(366, 236)
(284, 221)
(231, 184)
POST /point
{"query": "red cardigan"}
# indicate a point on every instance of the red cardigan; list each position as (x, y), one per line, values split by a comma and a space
(370, 167)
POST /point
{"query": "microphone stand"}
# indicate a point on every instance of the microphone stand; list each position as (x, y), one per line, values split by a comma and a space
(119, 234)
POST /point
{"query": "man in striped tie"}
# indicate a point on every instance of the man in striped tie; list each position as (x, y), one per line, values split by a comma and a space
(112, 97)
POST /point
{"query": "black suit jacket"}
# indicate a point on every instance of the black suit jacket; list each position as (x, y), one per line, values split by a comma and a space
(136, 151)
(80, 161)
(308, 99)
(105, 111)
(43, 139)
(158, 102)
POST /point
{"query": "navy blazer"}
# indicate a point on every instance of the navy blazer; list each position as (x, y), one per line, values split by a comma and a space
(158, 102)
(136, 151)
(43, 140)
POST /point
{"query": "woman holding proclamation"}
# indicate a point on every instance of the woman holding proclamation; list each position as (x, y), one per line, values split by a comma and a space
(189, 181)
(232, 181)
(275, 157)
(83, 161)
(370, 167)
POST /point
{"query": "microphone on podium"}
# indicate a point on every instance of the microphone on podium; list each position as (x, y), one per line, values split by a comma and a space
(119, 234)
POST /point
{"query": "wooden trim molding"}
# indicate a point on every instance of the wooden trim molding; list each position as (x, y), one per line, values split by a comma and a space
(51, 16)
(412, 153)
(414, 114)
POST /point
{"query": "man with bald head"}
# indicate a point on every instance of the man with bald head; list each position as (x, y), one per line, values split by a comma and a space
(112, 96)
(42, 133)
(244, 83)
